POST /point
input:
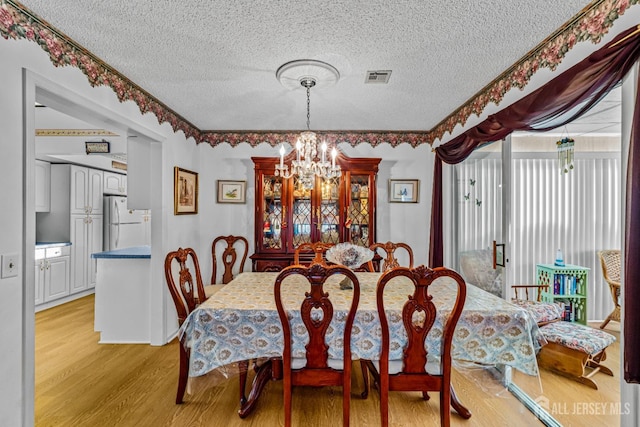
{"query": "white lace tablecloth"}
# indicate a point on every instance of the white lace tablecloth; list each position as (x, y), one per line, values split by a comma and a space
(240, 322)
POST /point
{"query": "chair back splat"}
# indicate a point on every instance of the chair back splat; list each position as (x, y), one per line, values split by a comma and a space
(390, 260)
(316, 312)
(318, 248)
(229, 256)
(413, 372)
(187, 294)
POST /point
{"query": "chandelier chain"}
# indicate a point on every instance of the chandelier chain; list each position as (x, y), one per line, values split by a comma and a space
(308, 107)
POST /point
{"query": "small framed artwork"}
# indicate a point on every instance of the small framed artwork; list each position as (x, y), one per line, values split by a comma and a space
(498, 255)
(403, 190)
(185, 191)
(232, 191)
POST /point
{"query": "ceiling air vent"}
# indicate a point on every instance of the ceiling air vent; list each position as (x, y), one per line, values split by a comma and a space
(380, 76)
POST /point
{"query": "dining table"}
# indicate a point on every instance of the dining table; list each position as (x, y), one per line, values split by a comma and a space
(240, 323)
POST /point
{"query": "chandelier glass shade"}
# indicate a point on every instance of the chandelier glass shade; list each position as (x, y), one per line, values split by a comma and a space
(310, 162)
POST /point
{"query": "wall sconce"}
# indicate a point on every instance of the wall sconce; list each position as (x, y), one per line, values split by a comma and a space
(94, 147)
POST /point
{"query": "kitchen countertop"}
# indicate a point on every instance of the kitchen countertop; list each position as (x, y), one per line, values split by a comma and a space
(45, 245)
(133, 252)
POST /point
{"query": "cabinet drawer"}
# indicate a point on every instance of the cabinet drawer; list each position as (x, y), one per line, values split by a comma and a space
(57, 251)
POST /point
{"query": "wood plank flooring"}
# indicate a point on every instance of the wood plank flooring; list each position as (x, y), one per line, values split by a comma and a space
(82, 383)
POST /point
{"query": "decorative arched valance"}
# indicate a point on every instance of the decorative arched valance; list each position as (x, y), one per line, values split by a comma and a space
(558, 102)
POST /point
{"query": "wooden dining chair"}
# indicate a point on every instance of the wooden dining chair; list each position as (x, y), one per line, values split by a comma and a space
(390, 261)
(229, 256)
(187, 294)
(318, 248)
(611, 269)
(413, 372)
(316, 311)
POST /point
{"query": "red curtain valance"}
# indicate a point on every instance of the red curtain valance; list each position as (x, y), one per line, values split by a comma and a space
(555, 104)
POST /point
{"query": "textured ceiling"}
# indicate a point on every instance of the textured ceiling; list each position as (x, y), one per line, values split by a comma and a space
(214, 62)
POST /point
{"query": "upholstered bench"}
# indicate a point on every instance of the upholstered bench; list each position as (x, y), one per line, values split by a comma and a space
(574, 349)
(571, 349)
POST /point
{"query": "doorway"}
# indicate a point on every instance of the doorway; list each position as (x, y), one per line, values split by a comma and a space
(551, 204)
(37, 89)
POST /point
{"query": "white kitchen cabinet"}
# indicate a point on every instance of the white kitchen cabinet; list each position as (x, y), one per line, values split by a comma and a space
(146, 218)
(115, 183)
(43, 186)
(86, 236)
(56, 282)
(86, 190)
(52, 274)
(39, 280)
(75, 217)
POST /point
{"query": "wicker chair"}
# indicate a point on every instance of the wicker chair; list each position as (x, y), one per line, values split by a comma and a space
(610, 262)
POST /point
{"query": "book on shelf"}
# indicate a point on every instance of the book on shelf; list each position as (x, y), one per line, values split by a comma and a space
(567, 315)
(571, 311)
(565, 284)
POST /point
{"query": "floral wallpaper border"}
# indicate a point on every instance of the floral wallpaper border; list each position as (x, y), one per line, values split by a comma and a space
(592, 23)
(352, 138)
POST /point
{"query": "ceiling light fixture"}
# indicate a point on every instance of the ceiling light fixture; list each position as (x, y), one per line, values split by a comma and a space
(307, 165)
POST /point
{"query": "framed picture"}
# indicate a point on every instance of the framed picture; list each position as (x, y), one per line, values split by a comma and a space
(232, 191)
(498, 255)
(185, 191)
(403, 190)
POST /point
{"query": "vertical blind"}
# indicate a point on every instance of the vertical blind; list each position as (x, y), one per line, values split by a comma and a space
(577, 212)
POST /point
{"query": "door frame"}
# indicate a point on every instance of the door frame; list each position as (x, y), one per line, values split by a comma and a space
(36, 87)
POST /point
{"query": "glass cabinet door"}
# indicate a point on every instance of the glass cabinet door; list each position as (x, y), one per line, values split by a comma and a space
(301, 215)
(328, 211)
(272, 213)
(359, 210)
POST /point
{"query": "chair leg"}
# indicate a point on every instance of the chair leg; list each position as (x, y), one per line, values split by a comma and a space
(287, 399)
(184, 373)
(346, 395)
(606, 321)
(365, 378)
(445, 406)
(384, 401)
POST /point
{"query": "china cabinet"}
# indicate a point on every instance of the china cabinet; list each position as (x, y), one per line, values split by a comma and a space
(340, 209)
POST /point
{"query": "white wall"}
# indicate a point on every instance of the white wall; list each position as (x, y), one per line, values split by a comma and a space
(399, 222)
(11, 218)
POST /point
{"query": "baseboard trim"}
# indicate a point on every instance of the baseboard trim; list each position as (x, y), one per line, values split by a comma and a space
(63, 300)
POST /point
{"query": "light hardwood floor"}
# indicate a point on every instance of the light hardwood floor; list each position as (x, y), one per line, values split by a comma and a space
(82, 383)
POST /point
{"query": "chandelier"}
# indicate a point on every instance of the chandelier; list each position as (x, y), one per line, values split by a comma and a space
(307, 165)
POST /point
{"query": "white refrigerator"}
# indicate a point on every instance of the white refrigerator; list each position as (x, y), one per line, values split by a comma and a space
(124, 228)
